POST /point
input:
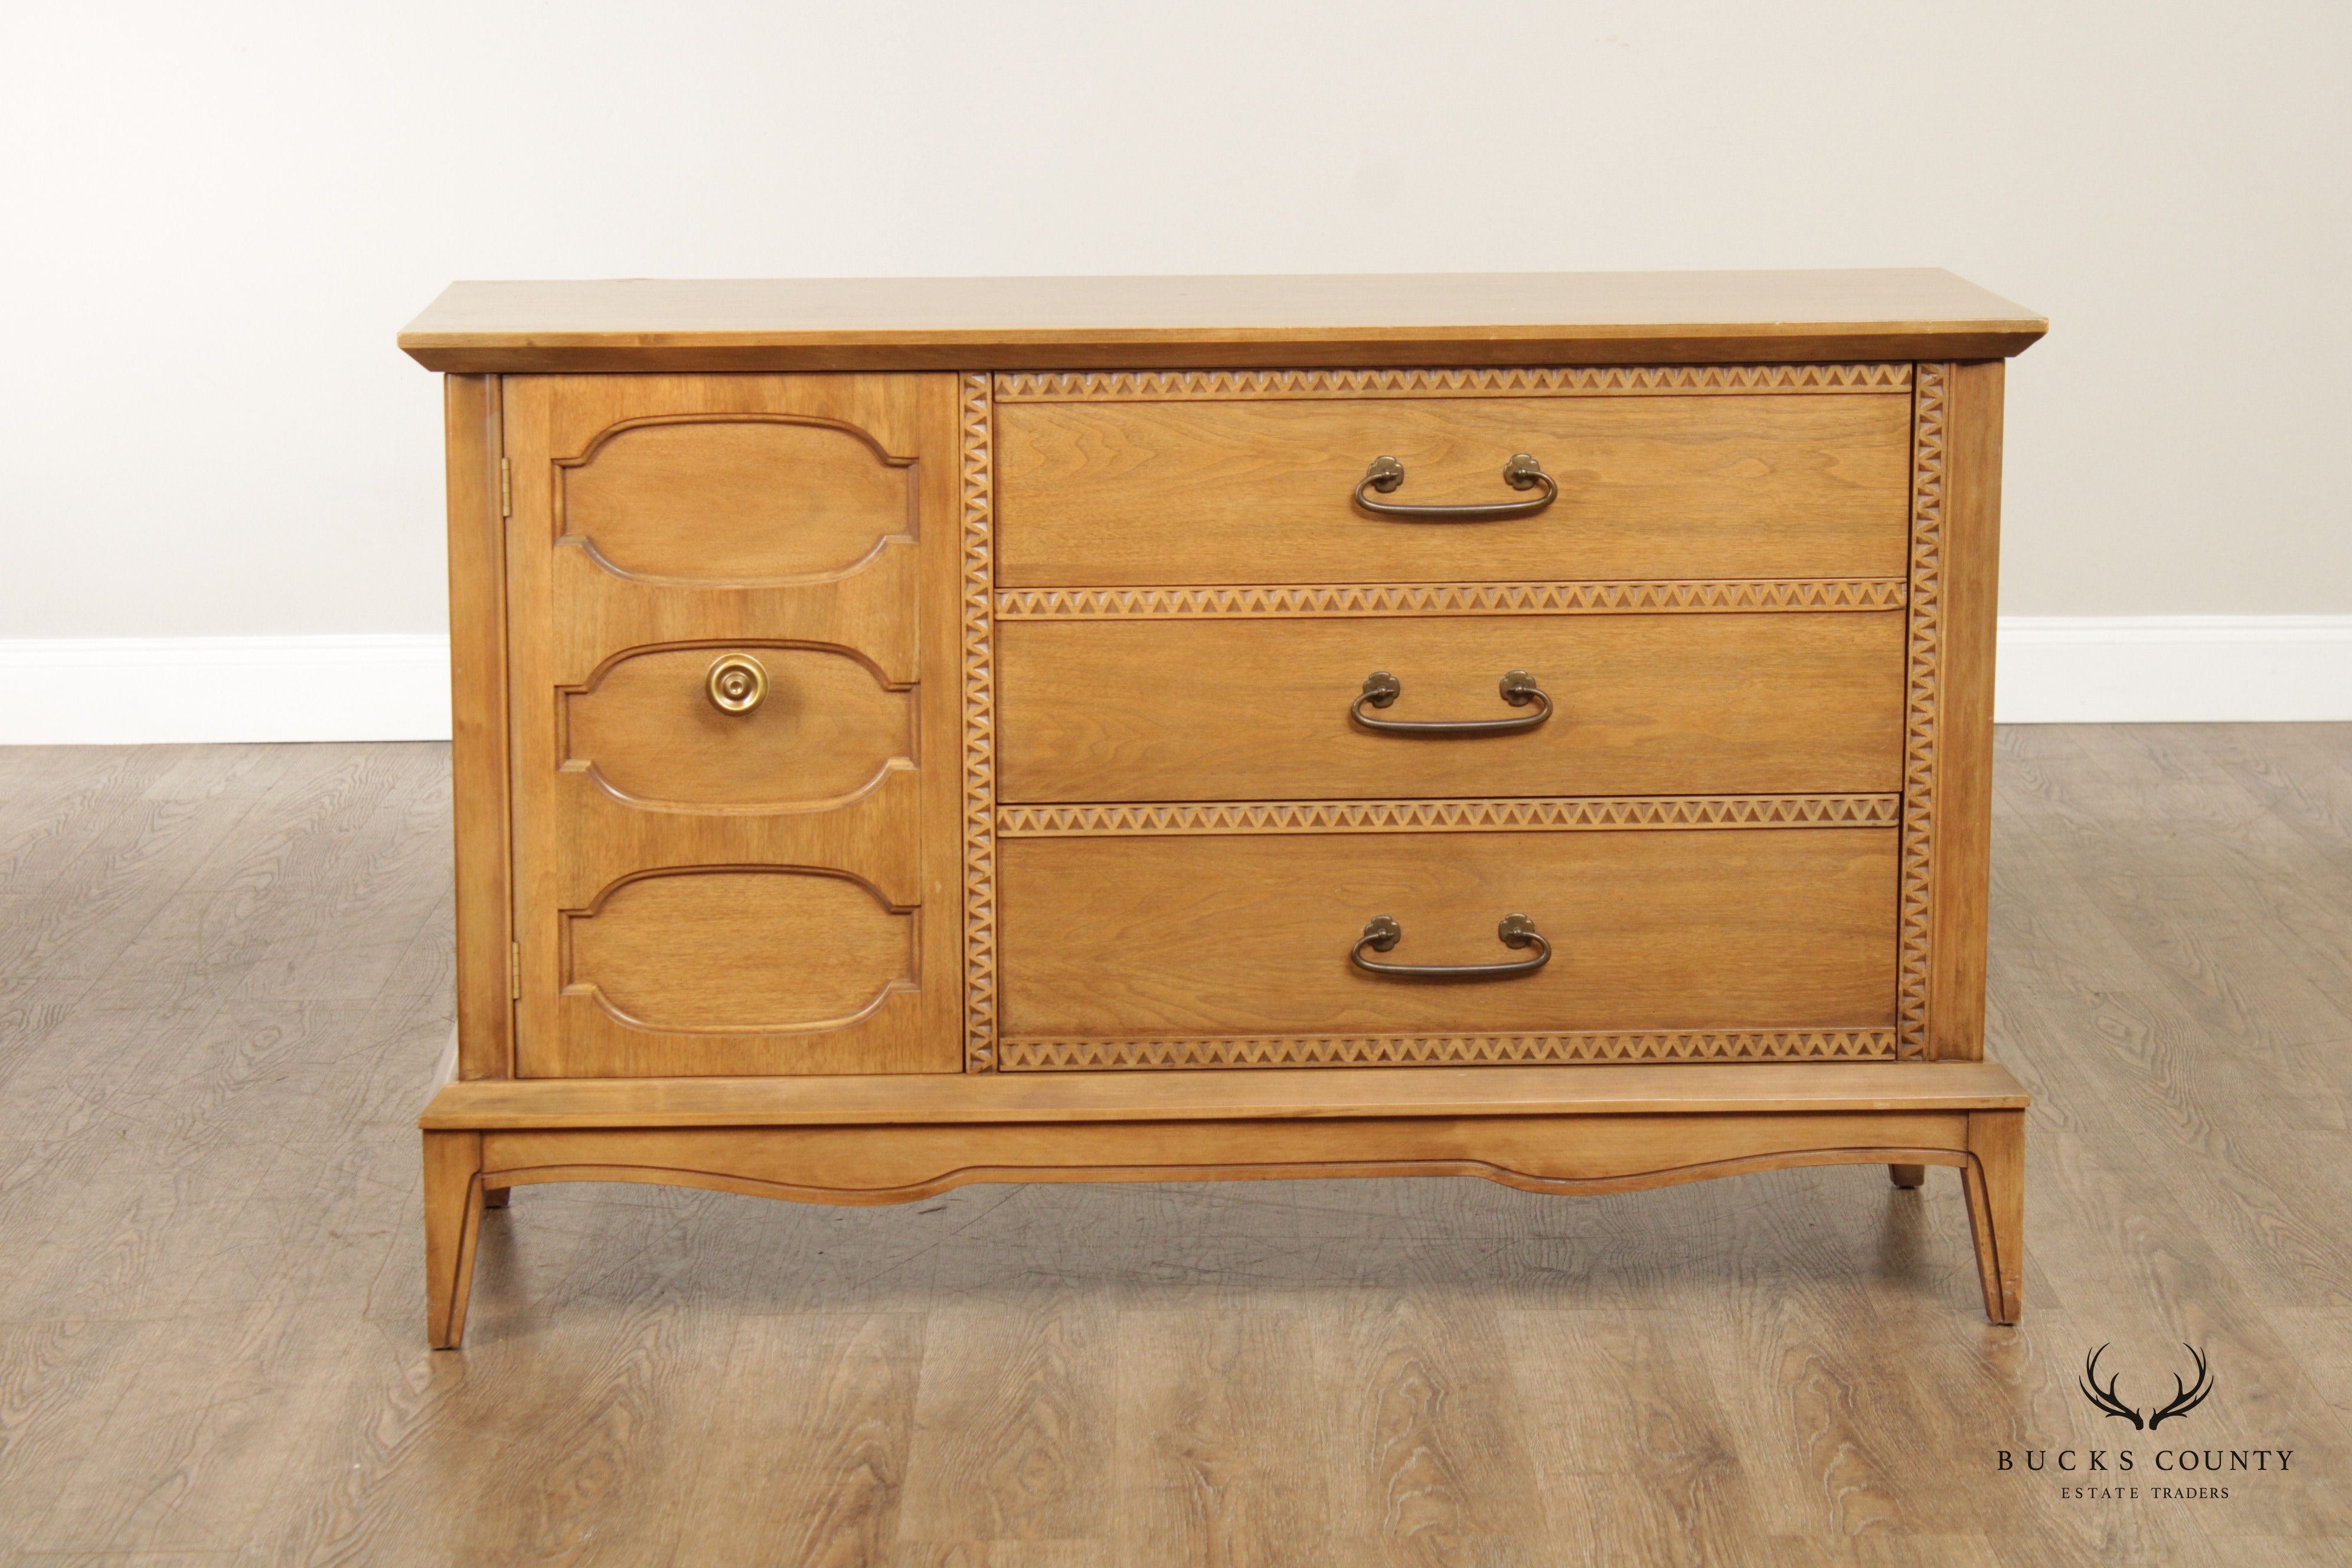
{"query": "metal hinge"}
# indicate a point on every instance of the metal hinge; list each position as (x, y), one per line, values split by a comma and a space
(514, 972)
(506, 489)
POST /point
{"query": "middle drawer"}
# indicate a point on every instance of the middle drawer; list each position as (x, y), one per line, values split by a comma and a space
(1276, 708)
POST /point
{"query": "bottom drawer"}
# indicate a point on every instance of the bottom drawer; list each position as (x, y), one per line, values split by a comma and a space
(1170, 951)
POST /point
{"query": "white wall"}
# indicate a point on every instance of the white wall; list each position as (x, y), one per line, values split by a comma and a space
(215, 218)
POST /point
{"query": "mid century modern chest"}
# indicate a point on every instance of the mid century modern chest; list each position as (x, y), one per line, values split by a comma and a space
(908, 734)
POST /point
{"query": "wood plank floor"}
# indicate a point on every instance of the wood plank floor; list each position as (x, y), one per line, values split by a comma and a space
(224, 982)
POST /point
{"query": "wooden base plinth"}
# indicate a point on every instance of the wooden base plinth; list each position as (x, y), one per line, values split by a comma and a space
(1544, 1129)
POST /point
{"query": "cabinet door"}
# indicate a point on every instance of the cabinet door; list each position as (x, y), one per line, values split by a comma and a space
(734, 666)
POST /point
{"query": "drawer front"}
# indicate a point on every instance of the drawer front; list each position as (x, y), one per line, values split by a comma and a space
(1263, 708)
(1144, 951)
(733, 617)
(1198, 490)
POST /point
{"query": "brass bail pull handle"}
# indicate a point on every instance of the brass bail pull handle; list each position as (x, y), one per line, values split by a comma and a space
(737, 683)
(1521, 473)
(1518, 689)
(1381, 932)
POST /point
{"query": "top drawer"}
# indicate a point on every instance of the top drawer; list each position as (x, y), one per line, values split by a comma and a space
(1109, 480)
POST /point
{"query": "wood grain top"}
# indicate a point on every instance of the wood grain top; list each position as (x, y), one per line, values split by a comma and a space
(1275, 1094)
(1352, 319)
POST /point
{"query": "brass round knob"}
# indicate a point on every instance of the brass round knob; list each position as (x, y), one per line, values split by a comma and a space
(736, 683)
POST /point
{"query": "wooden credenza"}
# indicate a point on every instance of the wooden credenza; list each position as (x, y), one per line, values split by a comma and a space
(919, 732)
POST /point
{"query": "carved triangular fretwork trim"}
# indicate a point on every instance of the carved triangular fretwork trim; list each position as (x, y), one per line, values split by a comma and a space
(1589, 813)
(979, 736)
(1161, 1053)
(1449, 599)
(1572, 381)
(1923, 687)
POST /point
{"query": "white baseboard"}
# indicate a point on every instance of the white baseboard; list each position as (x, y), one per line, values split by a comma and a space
(2133, 669)
(2173, 669)
(134, 691)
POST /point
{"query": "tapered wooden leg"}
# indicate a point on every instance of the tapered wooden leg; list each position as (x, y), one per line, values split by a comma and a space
(1907, 1176)
(495, 1197)
(453, 1226)
(1995, 1178)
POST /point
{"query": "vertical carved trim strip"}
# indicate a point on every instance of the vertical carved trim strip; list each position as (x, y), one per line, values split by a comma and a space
(978, 738)
(1922, 689)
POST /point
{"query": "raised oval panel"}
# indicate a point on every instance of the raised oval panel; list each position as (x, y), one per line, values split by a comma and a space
(738, 498)
(766, 951)
(824, 728)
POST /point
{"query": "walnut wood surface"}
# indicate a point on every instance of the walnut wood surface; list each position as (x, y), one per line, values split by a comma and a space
(826, 728)
(1680, 595)
(701, 499)
(1741, 928)
(1467, 814)
(976, 653)
(957, 1098)
(955, 323)
(452, 1228)
(1347, 1050)
(1923, 667)
(804, 923)
(225, 982)
(1250, 709)
(1970, 595)
(1994, 1179)
(1536, 1154)
(1657, 486)
(1444, 381)
(779, 952)
(479, 725)
(1080, 594)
